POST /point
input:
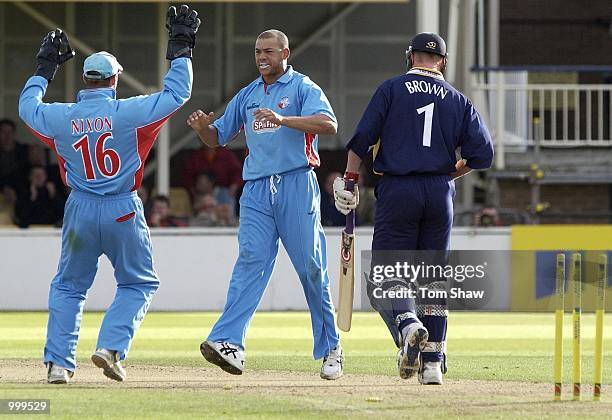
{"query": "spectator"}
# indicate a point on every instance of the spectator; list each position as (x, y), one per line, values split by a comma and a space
(13, 156)
(204, 211)
(8, 198)
(40, 204)
(212, 205)
(205, 184)
(225, 215)
(161, 215)
(219, 162)
(329, 215)
(487, 217)
(38, 155)
(144, 195)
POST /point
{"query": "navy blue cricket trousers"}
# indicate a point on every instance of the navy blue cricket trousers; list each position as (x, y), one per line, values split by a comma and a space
(414, 212)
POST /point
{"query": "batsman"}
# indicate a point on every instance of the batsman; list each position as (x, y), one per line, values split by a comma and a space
(416, 123)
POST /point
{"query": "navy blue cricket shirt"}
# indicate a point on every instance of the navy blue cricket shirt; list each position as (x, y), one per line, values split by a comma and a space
(416, 121)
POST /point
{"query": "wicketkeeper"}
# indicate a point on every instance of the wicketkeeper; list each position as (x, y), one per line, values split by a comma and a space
(101, 144)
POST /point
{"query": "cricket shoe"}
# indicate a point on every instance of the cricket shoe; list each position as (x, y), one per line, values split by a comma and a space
(408, 357)
(227, 356)
(58, 374)
(108, 360)
(332, 364)
(431, 373)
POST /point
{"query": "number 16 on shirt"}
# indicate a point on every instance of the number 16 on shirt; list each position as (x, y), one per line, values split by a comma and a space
(347, 269)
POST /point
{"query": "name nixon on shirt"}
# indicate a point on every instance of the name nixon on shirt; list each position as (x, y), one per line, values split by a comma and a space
(91, 125)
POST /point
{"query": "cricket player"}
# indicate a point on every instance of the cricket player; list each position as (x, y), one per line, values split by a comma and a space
(102, 143)
(282, 113)
(416, 122)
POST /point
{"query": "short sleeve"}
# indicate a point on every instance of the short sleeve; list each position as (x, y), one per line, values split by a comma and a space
(476, 144)
(314, 101)
(372, 121)
(230, 124)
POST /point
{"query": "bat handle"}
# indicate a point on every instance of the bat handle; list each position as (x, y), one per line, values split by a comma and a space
(350, 218)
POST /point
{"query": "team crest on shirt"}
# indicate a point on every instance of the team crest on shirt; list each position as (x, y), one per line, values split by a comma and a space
(260, 127)
(284, 103)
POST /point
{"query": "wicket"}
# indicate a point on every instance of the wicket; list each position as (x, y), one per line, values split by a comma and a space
(576, 284)
(576, 276)
(602, 280)
(559, 311)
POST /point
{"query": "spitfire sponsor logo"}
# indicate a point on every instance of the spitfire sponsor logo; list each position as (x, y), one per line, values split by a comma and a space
(252, 106)
(264, 127)
(284, 103)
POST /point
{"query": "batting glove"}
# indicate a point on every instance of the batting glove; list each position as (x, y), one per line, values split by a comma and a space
(182, 27)
(345, 201)
(54, 51)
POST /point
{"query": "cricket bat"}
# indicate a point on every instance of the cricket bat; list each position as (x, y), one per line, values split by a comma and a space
(347, 269)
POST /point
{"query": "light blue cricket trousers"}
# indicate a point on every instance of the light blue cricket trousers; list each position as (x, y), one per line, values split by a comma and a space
(96, 225)
(285, 207)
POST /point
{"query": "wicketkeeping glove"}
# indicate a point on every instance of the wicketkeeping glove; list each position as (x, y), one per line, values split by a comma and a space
(54, 51)
(182, 27)
(345, 200)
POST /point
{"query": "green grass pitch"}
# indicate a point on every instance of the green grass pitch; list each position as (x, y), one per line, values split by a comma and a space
(500, 365)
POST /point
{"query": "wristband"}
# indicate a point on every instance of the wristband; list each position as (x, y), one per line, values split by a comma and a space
(353, 176)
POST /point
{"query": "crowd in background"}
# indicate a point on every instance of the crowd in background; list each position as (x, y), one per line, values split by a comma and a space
(34, 194)
(32, 191)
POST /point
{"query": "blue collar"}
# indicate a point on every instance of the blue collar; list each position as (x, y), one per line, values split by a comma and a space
(96, 94)
(285, 78)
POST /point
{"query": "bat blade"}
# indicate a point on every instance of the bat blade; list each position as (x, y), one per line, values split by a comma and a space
(347, 281)
(347, 269)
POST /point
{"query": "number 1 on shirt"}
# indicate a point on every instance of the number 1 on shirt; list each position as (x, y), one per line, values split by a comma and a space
(428, 110)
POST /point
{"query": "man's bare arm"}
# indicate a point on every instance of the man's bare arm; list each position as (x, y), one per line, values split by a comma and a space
(314, 124)
(201, 123)
(353, 162)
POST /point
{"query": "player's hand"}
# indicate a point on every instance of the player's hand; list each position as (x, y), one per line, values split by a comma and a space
(345, 200)
(54, 51)
(460, 169)
(265, 114)
(182, 27)
(199, 119)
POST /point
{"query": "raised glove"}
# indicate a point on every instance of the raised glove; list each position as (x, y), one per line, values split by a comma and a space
(54, 51)
(345, 200)
(182, 27)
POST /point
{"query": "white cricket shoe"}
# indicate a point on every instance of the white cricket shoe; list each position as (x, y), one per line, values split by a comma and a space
(431, 373)
(332, 364)
(108, 360)
(408, 357)
(58, 375)
(227, 356)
